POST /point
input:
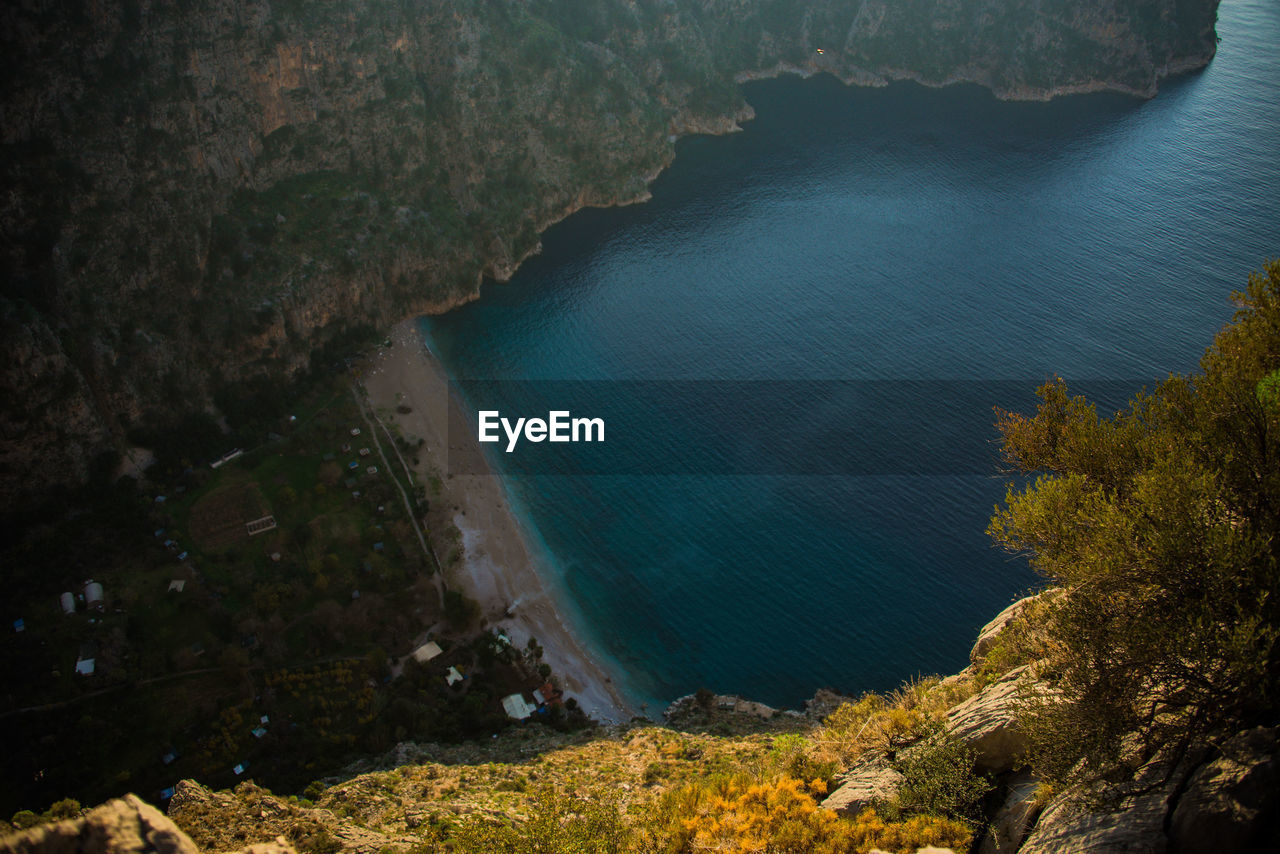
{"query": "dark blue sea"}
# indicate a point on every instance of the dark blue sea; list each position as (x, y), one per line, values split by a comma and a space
(797, 346)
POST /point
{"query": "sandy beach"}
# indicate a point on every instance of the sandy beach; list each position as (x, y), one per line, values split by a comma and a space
(497, 569)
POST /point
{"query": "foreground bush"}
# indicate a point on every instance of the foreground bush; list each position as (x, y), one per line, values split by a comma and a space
(1163, 525)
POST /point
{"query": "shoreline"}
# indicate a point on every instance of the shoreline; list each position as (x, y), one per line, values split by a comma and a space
(683, 124)
(497, 569)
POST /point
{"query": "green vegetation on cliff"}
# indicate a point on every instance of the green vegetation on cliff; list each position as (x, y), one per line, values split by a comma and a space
(202, 194)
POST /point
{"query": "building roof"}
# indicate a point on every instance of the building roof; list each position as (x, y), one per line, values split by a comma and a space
(427, 651)
(516, 707)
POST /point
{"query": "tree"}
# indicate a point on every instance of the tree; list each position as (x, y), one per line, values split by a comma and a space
(1163, 524)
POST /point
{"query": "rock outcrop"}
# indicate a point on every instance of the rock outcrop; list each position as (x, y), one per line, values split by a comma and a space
(1071, 825)
(988, 723)
(1232, 802)
(1222, 799)
(248, 815)
(123, 826)
(989, 634)
(198, 199)
(872, 780)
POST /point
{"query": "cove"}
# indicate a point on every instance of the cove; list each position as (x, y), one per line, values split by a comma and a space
(893, 263)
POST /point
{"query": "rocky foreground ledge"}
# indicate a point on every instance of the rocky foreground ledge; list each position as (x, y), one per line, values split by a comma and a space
(122, 826)
(1221, 797)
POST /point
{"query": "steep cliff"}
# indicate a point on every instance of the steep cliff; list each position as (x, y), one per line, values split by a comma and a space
(200, 195)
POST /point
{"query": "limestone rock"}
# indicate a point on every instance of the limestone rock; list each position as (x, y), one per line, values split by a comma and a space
(1067, 827)
(987, 722)
(872, 779)
(1014, 818)
(989, 633)
(823, 703)
(1231, 802)
(689, 706)
(120, 826)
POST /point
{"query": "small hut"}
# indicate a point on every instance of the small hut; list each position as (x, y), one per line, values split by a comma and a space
(426, 652)
(516, 707)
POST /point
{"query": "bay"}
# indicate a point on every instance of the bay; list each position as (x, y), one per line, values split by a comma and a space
(802, 337)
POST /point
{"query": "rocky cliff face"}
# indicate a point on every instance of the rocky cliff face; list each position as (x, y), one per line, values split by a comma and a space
(201, 195)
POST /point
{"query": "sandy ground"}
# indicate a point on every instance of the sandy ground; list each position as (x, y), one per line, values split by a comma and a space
(497, 569)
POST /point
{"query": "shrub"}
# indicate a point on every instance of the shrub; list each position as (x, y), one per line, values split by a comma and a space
(557, 822)
(780, 817)
(1160, 523)
(65, 808)
(792, 756)
(940, 779)
(902, 837)
(886, 723)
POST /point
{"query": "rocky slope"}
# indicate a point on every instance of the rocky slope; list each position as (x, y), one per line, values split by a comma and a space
(199, 196)
(1222, 797)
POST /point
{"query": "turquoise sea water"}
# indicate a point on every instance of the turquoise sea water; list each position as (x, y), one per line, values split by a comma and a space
(797, 344)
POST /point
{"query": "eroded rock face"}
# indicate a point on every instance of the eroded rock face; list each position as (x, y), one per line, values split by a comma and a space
(1220, 800)
(987, 722)
(1231, 802)
(123, 826)
(1068, 827)
(873, 779)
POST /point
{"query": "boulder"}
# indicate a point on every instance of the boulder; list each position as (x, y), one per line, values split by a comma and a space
(989, 633)
(1068, 827)
(122, 826)
(872, 779)
(823, 703)
(1131, 822)
(1231, 802)
(1015, 816)
(987, 722)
